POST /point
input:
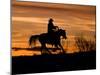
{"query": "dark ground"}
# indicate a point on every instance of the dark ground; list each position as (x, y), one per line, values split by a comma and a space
(53, 63)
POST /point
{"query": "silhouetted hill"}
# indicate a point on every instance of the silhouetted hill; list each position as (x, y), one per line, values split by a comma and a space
(54, 63)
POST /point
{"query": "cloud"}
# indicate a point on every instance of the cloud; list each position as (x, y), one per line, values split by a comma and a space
(29, 19)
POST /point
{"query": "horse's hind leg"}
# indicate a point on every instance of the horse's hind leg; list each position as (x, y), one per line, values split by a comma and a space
(57, 46)
(43, 47)
(48, 50)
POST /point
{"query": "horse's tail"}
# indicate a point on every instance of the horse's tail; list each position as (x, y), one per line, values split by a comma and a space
(33, 39)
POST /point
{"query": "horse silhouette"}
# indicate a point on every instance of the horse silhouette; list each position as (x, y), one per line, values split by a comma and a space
(46, 38)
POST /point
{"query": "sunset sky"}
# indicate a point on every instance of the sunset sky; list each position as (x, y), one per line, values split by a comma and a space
(30, 18)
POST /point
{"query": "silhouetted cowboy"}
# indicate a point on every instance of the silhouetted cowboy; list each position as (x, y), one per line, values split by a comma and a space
(51, 27)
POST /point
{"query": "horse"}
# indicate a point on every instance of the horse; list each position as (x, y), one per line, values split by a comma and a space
(45, 38)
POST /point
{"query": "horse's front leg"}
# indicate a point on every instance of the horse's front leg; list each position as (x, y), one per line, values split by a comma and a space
(61, 48)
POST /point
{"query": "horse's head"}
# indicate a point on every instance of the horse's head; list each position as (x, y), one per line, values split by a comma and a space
(62, 33)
